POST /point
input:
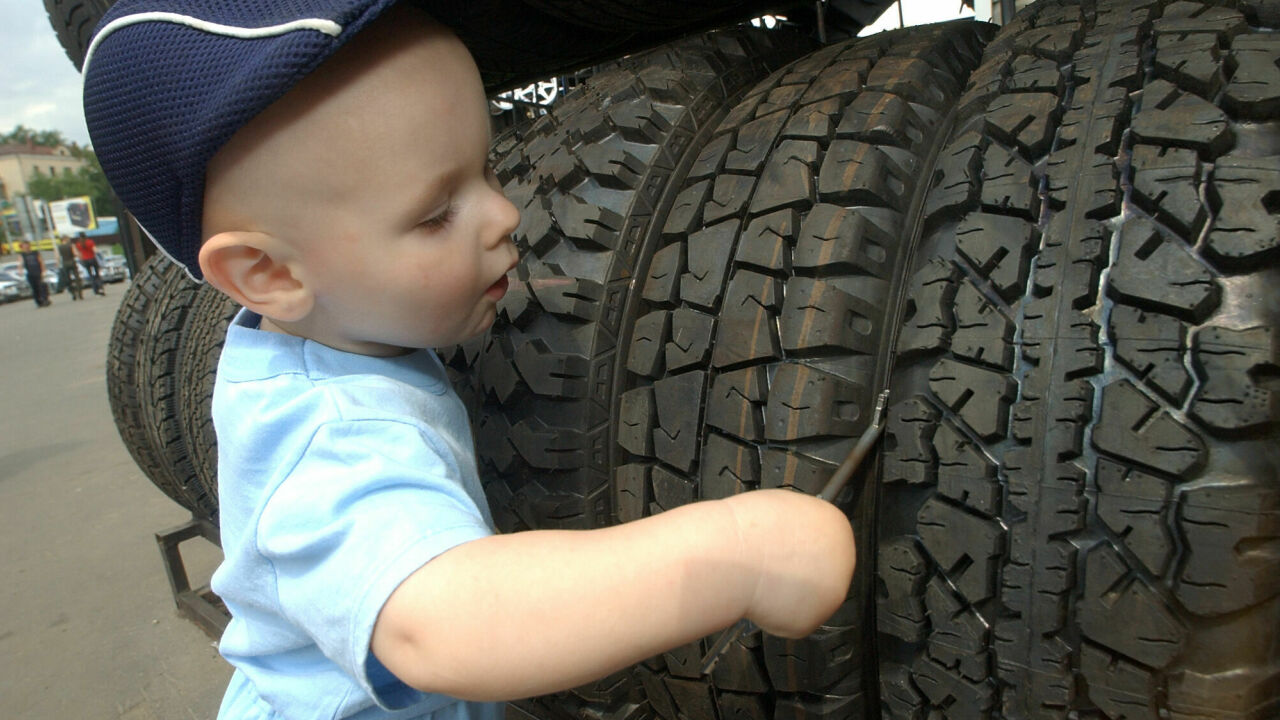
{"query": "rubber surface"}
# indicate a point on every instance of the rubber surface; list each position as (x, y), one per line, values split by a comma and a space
(197, 363)
(139, 378)
(1080, 508)
(760, 336)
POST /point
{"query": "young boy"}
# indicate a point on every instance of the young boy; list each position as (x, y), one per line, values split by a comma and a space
(329, 172)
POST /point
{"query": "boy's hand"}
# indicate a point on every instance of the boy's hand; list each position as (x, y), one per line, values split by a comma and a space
(512, 616)
(805, 552)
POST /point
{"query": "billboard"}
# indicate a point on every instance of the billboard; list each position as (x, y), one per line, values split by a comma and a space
(72, 215)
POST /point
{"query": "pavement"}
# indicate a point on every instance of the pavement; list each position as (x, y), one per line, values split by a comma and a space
(88, 627)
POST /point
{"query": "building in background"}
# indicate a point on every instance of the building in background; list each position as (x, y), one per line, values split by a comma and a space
(19, 162)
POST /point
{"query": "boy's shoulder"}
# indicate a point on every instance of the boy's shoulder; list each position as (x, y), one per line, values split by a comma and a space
(280, 372)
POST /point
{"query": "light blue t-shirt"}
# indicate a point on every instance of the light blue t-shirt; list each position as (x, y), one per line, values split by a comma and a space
(339, 476)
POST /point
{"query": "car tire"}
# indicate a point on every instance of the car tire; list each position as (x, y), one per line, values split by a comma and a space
(757, 335)
(1079, 504)
(139, 370)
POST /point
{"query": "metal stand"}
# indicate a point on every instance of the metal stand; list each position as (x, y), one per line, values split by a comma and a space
(200, 605)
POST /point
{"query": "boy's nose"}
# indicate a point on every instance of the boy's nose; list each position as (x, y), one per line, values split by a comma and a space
(506, 216)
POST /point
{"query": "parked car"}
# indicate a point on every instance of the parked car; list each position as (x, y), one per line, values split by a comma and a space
(11, 290)
(114, 267)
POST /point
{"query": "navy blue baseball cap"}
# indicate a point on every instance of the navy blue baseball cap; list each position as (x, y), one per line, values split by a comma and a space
(167, 83)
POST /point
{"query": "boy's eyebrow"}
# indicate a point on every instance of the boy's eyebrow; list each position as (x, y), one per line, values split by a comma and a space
(428, 197)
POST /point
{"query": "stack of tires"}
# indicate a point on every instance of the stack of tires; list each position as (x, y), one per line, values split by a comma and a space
(1055, 243)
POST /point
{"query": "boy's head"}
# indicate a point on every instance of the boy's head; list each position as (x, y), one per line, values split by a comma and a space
(25, 246)
(355, 207)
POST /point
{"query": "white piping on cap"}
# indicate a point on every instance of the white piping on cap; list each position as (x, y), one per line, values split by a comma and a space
(328, 27)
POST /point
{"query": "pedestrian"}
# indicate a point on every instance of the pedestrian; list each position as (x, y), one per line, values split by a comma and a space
(68, 269)
(88, 252)
(361, 567)
(34, 265)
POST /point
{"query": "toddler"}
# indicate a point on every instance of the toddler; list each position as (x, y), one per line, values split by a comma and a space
(325, 164)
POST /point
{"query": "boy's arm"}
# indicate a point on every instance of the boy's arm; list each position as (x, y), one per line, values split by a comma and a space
(512, 616)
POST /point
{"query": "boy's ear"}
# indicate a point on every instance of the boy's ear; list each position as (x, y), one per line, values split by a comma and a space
(250, 267)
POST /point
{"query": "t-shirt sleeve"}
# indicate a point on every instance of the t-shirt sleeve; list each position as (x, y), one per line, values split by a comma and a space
(368, 503)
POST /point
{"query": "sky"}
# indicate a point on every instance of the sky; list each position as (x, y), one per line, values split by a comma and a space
(40, 88)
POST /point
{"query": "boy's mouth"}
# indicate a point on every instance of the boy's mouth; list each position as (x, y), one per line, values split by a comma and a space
(498, 289)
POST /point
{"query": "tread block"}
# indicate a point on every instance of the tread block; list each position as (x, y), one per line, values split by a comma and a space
(1152, 346)
(587, 225)
(787, 180)
(662, 282)
(1254, 90)
(1172, 116)
(1025, 120)
(631, 496)
(497, 374)
(958, 636)
(820, 316)
(552, 374)
(1121, 689)
(636, 417)
(839, 79)
(824, 662)
(752, 143)
(808, 403)
(612, 167)
(1190, 61)
(955, 181)
(980, 398)
(670, 490)
(686, 211)
(813, 122)
(983, 333)
(1188, 17)
(838, 240)
(729, 196)
(965, 473)
(966, 547)
(735, 403)
(785, 469)
(765, 244)
(492, 432)
(648, 340)
(1155, 273)
(728, 468)
(1247, 230)
(1166, 183)
(709, 253)
(690, 343)
(929, 319)
(678, 400)
(1132, 504)
(903, 570)
(912, 78)
(1121, 612)
(1231, 534)
(908, 452)
(856, 173)
(567, 297)
(880, 118)
(1132, 427)
(943, 688)
(748, 326)
(549, 448)
(1009, 184)
(1235, 366)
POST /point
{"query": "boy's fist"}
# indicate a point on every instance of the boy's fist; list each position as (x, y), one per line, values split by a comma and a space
(803, 550)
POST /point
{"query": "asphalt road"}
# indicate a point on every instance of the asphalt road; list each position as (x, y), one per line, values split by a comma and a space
(88, 628)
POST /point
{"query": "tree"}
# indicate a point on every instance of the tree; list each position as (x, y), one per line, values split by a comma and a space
(88, 180)
(21, 135)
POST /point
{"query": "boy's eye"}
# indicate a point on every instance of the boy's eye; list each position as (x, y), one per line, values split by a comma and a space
(439, 221)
